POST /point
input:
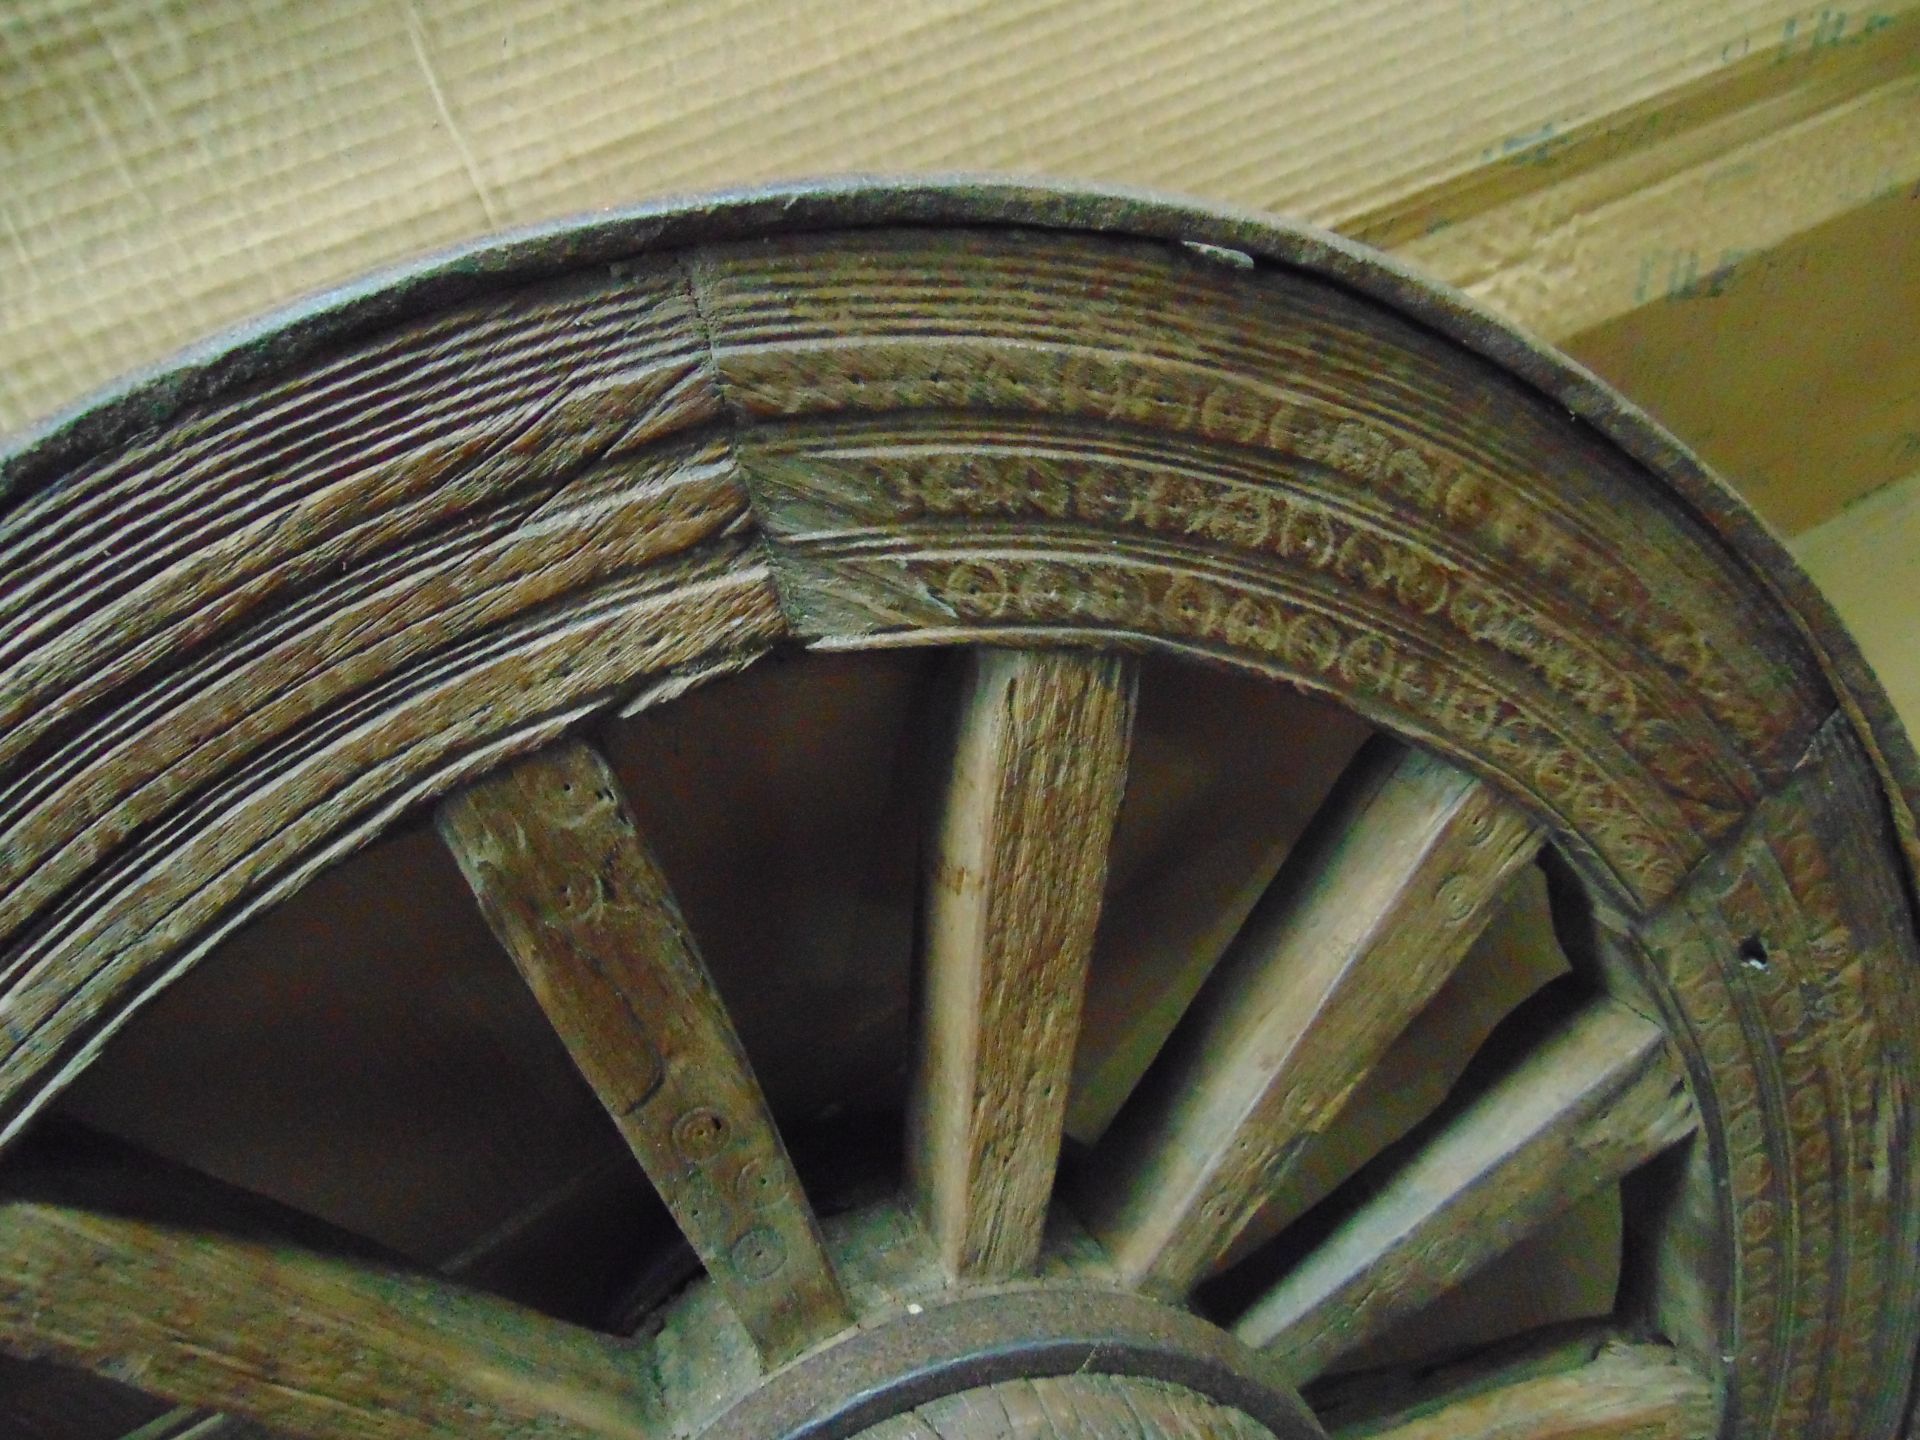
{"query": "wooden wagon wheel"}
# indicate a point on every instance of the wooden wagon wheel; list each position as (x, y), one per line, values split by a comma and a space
(407, 553)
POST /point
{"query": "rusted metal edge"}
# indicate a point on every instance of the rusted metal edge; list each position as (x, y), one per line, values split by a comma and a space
(887, 1370)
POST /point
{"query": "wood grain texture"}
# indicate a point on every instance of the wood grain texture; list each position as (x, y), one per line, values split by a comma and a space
(1014, 887)
(533, 550)
(1791, 962)
(1593, 1100)
(238, 646)
(1624, 1392)
(234, 847)
(1221, 423)
(1381, 558)
(1072, 1407)
(247, 630)
(1213, 808)
(1516, 956)
(180, 1287)
(1335, 961)
(573, 892)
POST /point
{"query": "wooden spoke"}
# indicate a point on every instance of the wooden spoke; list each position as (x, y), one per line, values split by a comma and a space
(571, 889)
(1622, 1391)
(1337, 958)
(1598, 1097)
(1014, 891)
(193, 1292)
(502, 1258)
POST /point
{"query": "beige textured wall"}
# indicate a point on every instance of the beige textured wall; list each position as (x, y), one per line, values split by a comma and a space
(1715, 202)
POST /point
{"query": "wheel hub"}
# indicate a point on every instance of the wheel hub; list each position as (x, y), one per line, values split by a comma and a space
(1063, 1347)
(976, 1360)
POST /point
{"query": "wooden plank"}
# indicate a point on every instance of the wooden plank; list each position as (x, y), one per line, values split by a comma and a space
(1798, 944)
(792, 774)
(569, 886)
(225, 854)
(199, 1294)
(1341, 953)
(446, 591)
(415, 549)
(1625, 1392)
(1013, 895)
(1597, 1097)
(1212, 810)
(518, 1260)
(1559, 1382)
(1516, 955)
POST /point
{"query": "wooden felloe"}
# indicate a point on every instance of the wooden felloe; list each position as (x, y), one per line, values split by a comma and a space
(411, 559)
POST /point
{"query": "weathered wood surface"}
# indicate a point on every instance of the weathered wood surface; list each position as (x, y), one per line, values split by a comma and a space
(501, 1262)
(1622, 1391)
(1207, 369)
(1273, 508)
(1202, 443)
(569, 886)
(1213, 808)
(1335, 961)
(1072, 1407)
(1514, 958)
(1593, 1100)
(801, 773)
(1792, 960)
(236, 648)
(196, 1294)
(1014, 885)
(269, 624)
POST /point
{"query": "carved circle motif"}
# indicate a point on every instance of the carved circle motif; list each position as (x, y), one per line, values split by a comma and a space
(755, 1185)
(1313, 469)
(760, 1254)
(700, 1134)
(1457, 898)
